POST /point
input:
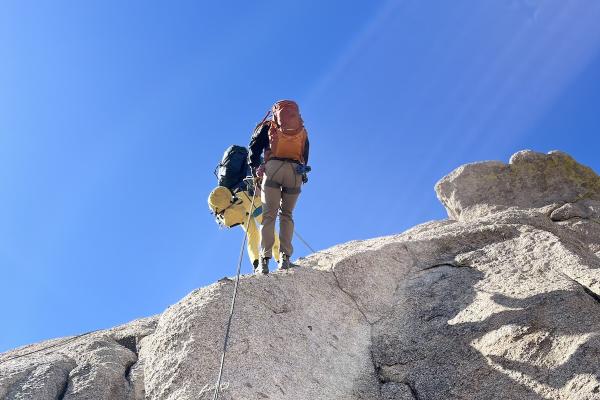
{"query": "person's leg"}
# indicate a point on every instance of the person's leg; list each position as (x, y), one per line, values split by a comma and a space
(253, 240)
(271, 198)
(275, 251)
(286, 222)
(276, 246)
(289, 196)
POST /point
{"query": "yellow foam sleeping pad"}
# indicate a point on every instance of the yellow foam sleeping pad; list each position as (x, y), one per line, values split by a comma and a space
(232, 210)
(228, 209)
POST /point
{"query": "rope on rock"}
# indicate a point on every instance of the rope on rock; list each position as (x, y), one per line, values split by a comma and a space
(49, 347)
(232, 309)
(304, 241)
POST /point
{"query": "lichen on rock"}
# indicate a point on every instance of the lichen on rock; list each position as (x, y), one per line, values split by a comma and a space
(530, 180)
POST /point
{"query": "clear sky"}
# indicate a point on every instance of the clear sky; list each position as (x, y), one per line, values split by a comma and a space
(114, 114)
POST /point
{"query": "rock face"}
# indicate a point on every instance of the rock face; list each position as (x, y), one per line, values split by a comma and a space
(530, 180)
(502, 301)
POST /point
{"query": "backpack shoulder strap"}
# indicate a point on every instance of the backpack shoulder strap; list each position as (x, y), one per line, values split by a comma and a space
(267, 115)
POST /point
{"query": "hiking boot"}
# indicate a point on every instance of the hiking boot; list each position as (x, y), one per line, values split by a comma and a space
(263, 268)
(254, 265)
(284, 261)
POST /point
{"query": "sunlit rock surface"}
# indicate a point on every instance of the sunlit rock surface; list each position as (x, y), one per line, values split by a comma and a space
(529, 180)
(500, 302)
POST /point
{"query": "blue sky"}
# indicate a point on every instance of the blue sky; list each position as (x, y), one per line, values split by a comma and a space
(114, 114)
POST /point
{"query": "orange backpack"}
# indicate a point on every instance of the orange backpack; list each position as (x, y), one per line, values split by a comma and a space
(287, 135)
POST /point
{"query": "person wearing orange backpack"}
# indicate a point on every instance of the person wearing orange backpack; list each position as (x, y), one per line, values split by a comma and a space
(284, 141)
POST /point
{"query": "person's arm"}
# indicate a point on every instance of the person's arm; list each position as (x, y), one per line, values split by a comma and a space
(258, 142)
(306, 151)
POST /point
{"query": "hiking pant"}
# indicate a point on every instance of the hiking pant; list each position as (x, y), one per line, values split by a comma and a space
(280, 191)
(254, 240)
(251, 229)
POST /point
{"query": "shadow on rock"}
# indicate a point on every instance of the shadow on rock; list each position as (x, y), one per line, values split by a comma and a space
(442, 347)
(417, 346)
(549, 340)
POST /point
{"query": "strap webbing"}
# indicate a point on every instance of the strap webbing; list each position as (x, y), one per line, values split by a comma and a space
(275, 185)
(257, 212)
(291, 190)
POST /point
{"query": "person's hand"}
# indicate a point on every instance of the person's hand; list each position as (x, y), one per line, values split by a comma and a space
(260, 171)
(257, 174)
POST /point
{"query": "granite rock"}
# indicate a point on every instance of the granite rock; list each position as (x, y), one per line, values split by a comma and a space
(501, 301)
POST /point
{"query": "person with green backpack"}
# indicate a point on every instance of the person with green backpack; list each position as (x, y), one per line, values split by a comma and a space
(284, 141)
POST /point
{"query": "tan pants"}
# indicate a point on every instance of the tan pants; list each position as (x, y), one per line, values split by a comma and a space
(280, 191)
(251, 229)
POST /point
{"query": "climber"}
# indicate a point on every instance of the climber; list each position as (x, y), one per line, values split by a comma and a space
(284, 141)
(231, 201)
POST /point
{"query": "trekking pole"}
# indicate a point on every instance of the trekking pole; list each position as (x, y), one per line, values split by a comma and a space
(235, 289)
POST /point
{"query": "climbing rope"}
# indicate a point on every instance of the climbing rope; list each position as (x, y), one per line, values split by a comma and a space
(235, 289)
(304, 241)
(46, 348)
